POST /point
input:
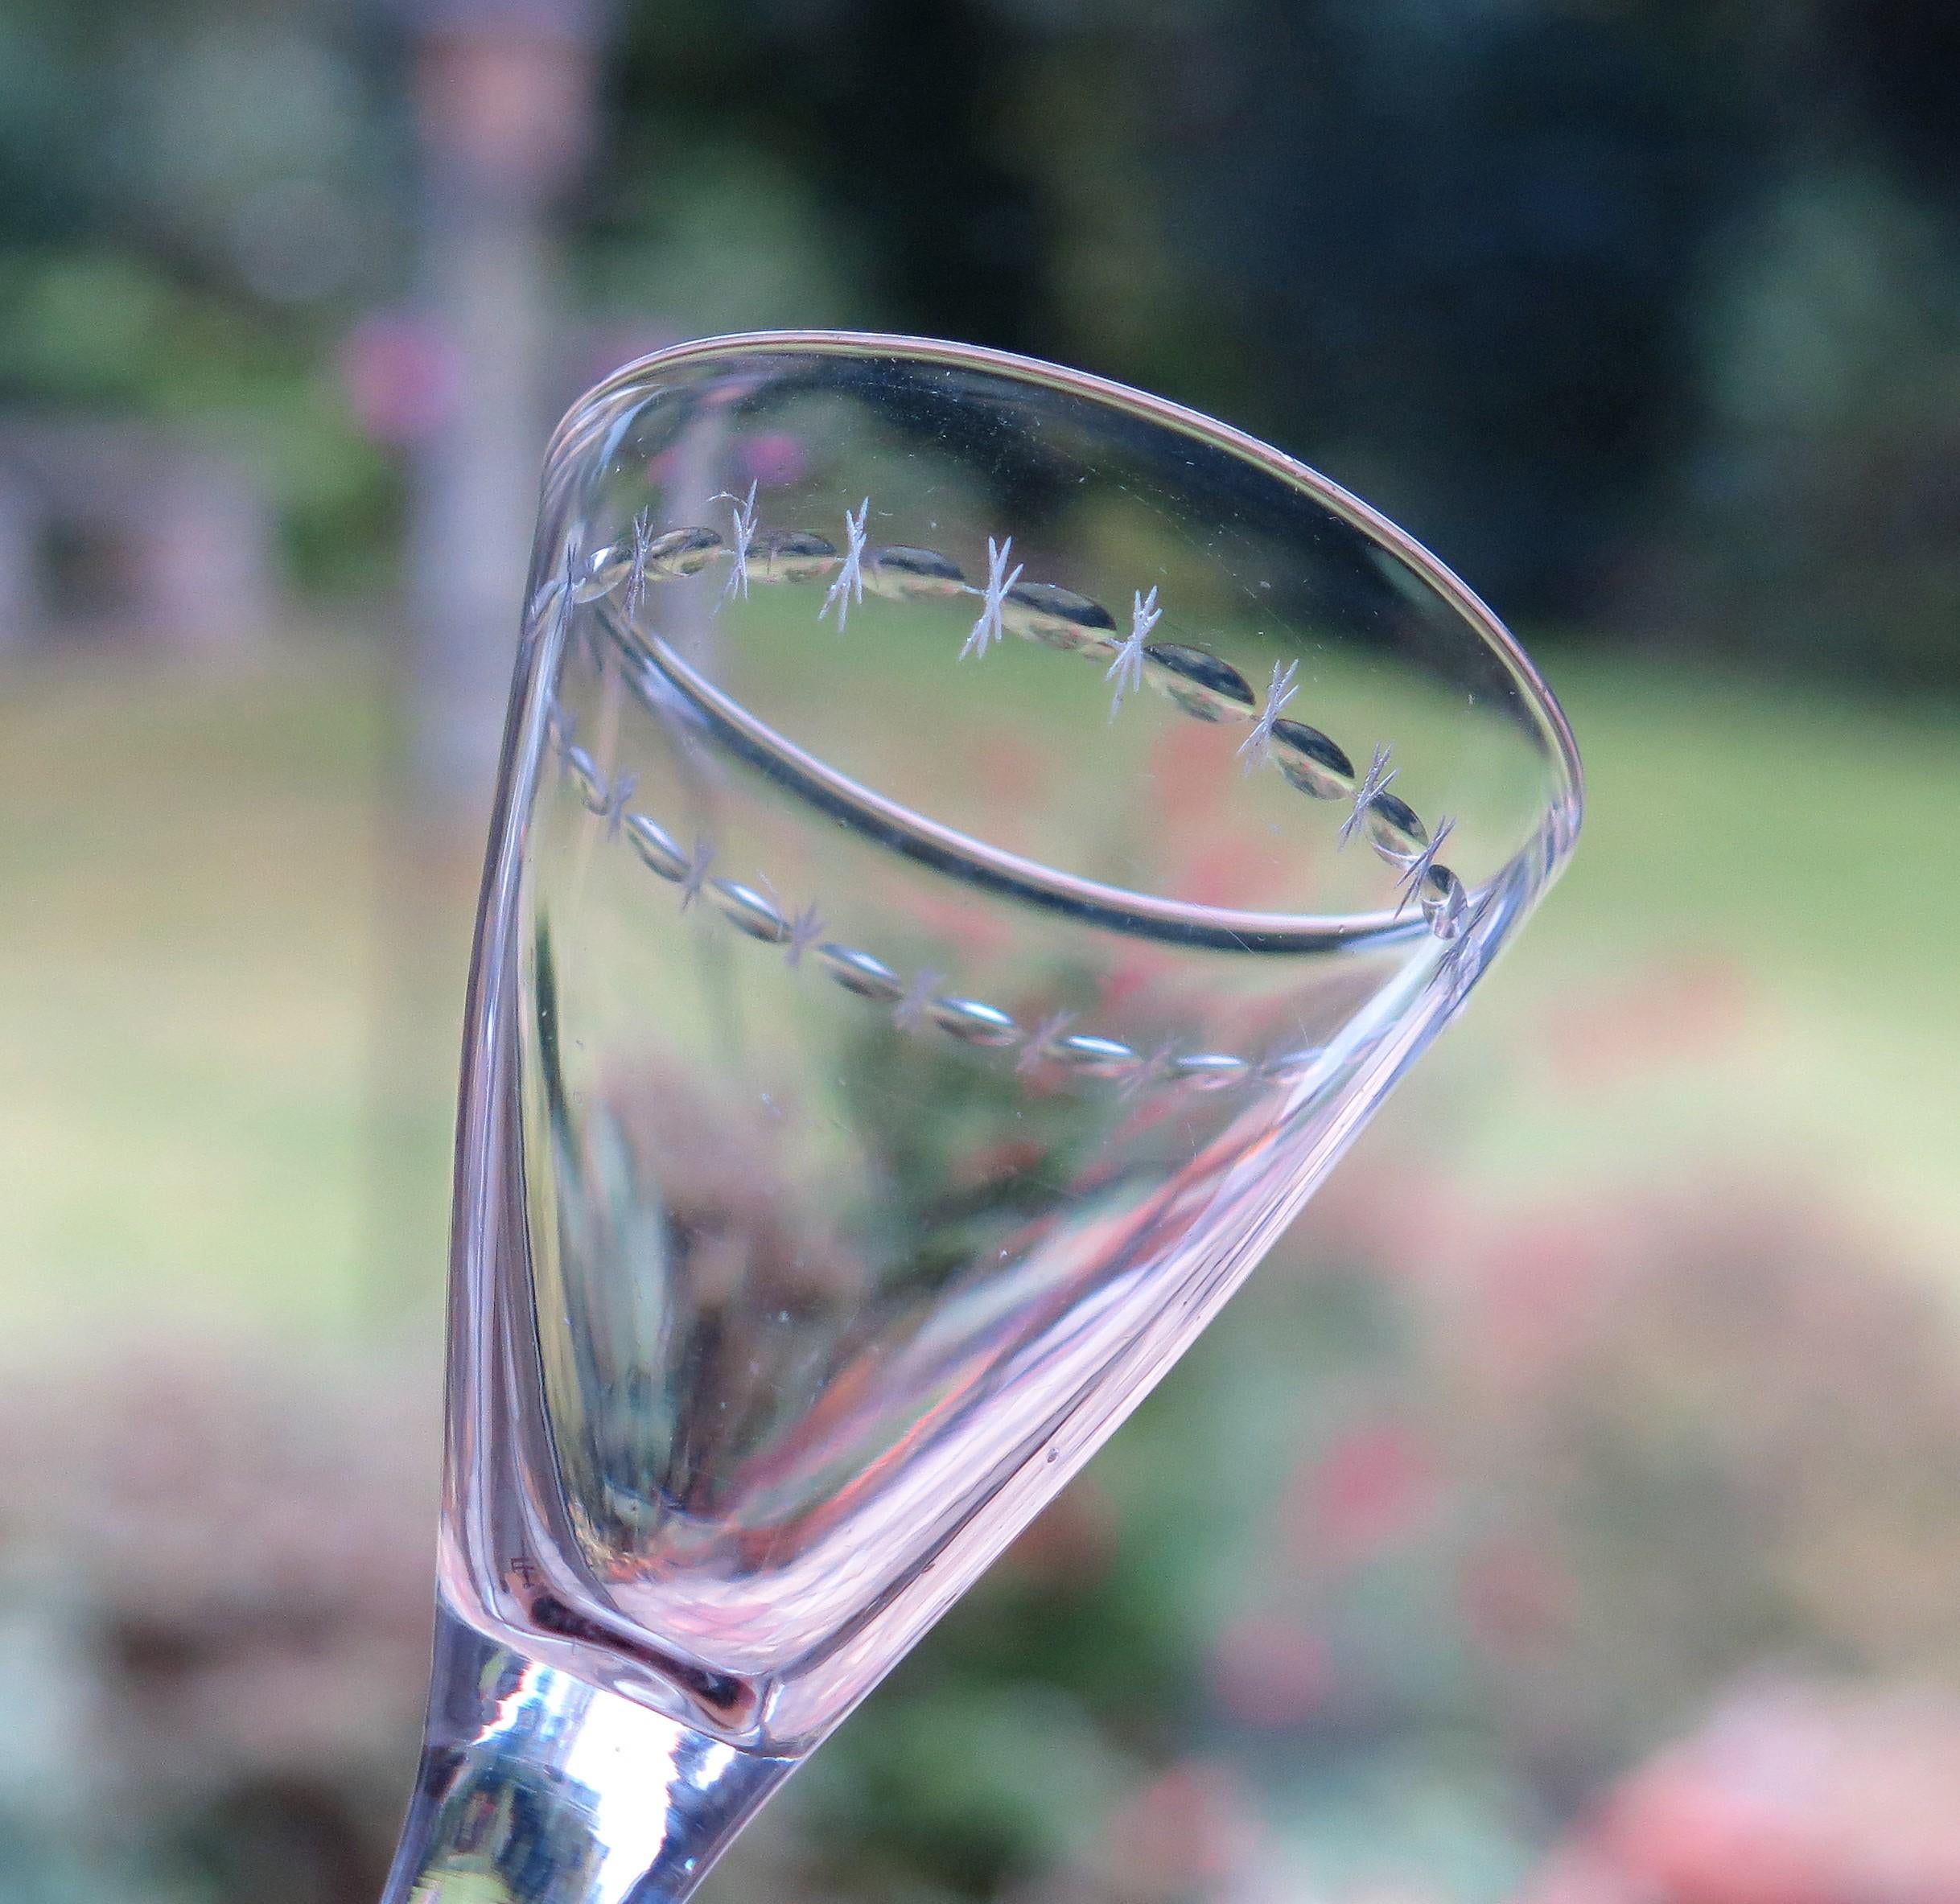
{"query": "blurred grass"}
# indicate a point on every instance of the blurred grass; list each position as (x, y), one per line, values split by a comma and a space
(198, 1115)
(1746, 965)
(236, 974)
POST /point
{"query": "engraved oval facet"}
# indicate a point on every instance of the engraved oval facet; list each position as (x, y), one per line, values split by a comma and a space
(545, 601)
(1282, 1067)
(1394, 829)
(608, 569)
(1444, 901)
(973, 1020)
(657, 846)
(678, 551)
(790, 555)
(748, 911)
(1059, 617)
(903, 575)
(586, 777)
(859, 971)
(1208, 1070)
(1312, 761)
(1198, 681)
(1094, 1057)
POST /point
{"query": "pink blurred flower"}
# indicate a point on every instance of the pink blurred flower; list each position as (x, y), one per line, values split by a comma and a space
(1014, 771)
(1679, 1011)
(774, 458)
(1072, 1542)
(1515, 1595)
(400, 373)
(1791, 1794)
(1187, 1830)
(1268, 1673)
(1536, 1284)
(1234, 870)
(1369, 1491)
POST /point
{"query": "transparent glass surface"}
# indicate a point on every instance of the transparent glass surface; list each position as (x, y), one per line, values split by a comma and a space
(975, 843)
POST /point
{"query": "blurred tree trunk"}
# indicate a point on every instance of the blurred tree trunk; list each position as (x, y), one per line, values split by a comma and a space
(475, 498)
(505, 95)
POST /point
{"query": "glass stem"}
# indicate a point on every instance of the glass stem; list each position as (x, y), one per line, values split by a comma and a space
(559, 1792)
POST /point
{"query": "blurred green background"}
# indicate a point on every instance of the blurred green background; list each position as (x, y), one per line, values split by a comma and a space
(1570, 1512)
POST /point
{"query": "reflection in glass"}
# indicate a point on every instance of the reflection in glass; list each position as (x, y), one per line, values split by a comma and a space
(936, 933)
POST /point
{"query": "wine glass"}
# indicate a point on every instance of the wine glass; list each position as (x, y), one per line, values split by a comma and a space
(974, 842)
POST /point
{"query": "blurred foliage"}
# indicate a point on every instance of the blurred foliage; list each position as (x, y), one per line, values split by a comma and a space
(1646, 315)
(1454, 1553)
(191, 204)
(1420, 1555)
(217, 1565)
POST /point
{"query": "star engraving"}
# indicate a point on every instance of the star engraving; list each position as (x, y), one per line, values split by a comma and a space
(742, 510)
(1375, 781)
(1463, 961)
(1155, 1069)
(1044, 1037)
(1126, 670)
(987, 630)
(909, 1012)
(849, 586)
(1257, 745)
(612, 810)
(1417, 868)
(804, 930)
(696, 876)
(637, 570)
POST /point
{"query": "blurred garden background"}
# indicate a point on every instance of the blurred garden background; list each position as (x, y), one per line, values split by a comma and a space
(1570, 1512)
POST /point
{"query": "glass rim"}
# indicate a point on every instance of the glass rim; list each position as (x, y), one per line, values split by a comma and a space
(1265, 931)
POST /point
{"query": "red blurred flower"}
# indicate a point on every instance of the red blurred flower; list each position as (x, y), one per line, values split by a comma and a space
(400, 375)
(1268, 1673)
(1789, 1795)
(1514, 1595)
(1537, 1283)
(1188, 1830)
(774, 458)
(1676, 1012)
(1370, 1491)
(1072, 1542)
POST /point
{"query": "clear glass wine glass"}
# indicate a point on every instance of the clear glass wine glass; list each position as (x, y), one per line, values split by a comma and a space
(974, 843)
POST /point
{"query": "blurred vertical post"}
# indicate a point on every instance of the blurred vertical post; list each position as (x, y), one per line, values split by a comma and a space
(504, 90)
(505, 93)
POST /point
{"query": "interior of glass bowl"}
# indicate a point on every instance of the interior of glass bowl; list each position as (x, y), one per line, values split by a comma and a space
(977, 844)
(1111, 650)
